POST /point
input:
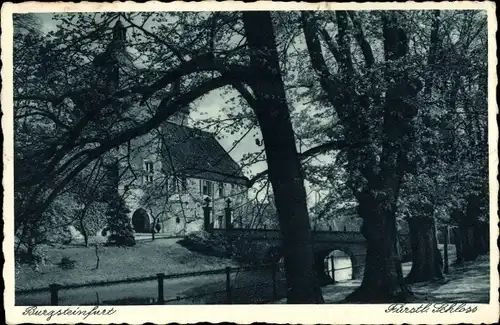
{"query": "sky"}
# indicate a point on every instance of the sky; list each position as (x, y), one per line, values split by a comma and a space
(208, 107)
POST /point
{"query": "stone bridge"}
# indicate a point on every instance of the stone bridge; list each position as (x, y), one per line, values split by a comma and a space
(324, 242)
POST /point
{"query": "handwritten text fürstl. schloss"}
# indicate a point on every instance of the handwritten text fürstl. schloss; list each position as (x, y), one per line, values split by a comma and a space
(431, 308)
(69, 311)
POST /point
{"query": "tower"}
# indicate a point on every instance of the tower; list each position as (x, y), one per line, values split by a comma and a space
(119, 35)
(119, 57)
(115, 59)
(111, 65)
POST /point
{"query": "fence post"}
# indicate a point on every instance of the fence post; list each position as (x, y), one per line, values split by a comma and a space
(445, 239)
(161, 297)
(227, 214)
(333, 269)
(206, 215)
(228, 285)
(275, 291)
(54, 294)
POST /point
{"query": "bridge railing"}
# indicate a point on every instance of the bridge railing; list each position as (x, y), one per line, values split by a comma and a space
(317, 235)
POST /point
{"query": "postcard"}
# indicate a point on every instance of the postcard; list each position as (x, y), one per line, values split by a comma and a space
(303, 163)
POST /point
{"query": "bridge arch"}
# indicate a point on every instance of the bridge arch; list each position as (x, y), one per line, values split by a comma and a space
(355, 253)
(338, 265)
(351, 242)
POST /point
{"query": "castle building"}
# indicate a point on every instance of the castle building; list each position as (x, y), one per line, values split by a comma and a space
(166, 175)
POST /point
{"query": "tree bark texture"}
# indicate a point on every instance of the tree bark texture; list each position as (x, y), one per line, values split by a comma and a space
(482, 238)
(383, 276)
(472, 234)
(427, 262)
(84, 232)
(283, 161)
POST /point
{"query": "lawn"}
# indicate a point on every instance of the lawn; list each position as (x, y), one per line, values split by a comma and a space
(145, 259)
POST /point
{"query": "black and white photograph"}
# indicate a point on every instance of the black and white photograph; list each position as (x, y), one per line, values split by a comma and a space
(250, 157)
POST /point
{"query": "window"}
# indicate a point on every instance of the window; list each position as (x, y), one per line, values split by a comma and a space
(206, 188)
(149, 171)
(221, 189)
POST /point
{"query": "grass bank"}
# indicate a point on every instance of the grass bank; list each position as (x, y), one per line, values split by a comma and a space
(116, 263)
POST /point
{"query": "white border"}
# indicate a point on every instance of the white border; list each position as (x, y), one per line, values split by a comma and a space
(244, 314)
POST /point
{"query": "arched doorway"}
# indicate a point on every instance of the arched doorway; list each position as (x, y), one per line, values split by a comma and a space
(140, 221)
(338, 266)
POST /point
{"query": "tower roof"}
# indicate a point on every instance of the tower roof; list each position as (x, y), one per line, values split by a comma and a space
(116, 58)
(119, 32)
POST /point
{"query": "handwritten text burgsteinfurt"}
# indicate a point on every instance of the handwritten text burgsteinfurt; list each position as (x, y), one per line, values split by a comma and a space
(431, 308)
(69, 311)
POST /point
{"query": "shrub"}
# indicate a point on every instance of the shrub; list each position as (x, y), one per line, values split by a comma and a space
(54, 228)
(67, 263)
(94, 219)
(252, 252)
(23, 257)
(206, 243)
(120, 228)
(241, 249)
(17, 270)
(62, 236)
(121, 240)
(36, 258)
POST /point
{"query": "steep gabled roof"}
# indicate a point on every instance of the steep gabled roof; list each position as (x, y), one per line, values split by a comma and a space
(196, 153)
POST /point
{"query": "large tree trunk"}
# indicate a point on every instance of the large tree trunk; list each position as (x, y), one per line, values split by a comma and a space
(82, 225)
(459, 259)
(383, 277)
(482, 242)
(427, 261)
(283, 162)
(467, 239)
(471, 241)
(478, 231)
(465, 243)
(84, 232)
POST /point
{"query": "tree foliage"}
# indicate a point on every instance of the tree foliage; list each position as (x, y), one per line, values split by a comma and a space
(119, 226)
